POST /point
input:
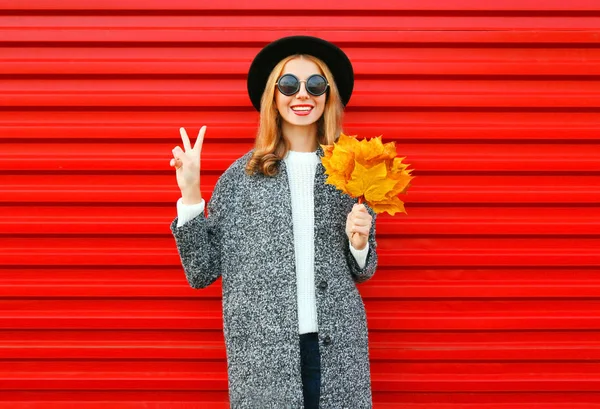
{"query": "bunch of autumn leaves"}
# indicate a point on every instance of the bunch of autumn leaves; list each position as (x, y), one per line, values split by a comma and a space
(369, 170)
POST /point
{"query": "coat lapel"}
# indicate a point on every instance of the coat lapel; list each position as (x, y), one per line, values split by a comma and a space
(322, 210)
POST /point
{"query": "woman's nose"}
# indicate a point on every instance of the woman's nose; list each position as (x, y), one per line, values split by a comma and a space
(302, 93)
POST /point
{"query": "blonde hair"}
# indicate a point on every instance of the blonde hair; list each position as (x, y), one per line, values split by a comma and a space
(270, 147)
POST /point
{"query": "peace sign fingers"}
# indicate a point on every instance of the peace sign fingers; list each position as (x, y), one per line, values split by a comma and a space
(187, 161)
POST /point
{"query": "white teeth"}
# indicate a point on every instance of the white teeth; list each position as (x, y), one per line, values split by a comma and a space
(301, 109)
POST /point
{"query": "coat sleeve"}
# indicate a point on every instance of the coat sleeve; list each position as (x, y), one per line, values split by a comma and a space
(361, 275)
(199, 241)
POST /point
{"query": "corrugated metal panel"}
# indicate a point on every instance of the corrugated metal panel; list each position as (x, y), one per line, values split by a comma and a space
(488, 293)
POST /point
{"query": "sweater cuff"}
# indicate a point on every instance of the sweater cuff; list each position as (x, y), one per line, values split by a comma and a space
(360, 255)
(185, 213)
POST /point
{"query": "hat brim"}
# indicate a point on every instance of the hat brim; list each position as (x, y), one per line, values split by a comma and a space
(264, 62)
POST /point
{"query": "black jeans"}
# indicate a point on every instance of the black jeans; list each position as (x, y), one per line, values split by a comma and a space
(311, 369)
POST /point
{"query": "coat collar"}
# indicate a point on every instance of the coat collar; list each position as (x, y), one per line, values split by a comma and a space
(320, 151)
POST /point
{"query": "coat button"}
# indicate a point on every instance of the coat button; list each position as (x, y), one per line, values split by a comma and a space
(327, 340)
(323, 285)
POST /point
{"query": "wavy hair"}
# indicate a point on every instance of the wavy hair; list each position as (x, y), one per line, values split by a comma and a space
(270, 147)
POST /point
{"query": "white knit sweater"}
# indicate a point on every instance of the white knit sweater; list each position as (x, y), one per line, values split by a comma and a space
(301, 168)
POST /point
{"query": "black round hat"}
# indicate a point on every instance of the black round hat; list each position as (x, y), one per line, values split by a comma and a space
(264, 62)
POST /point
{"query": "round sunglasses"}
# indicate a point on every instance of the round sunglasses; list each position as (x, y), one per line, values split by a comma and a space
(289, 84)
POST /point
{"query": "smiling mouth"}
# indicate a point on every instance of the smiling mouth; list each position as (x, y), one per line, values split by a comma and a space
(302, 109)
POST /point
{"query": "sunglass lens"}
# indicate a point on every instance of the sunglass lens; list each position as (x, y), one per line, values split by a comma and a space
(288, 85)
(316, 85)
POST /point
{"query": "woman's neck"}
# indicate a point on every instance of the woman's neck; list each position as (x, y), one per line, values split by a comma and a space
(301, 138)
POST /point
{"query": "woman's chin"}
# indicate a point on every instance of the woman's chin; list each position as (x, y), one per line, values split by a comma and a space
(300, 120)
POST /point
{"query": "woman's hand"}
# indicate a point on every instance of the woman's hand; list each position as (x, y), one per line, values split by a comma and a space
(358, 226)
(187, 165)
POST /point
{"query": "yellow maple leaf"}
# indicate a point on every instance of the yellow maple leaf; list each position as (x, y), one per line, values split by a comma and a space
(392, 206)
(341, 161)
(349, 143)
(370, 149)
(339, 181)
(372, 183)
(402, 182)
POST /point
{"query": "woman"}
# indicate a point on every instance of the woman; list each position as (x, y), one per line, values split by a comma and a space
(289, 247)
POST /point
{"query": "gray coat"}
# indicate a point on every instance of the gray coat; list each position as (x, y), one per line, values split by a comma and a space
(247, 239)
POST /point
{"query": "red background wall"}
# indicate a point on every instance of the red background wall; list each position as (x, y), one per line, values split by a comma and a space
(488, 291)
